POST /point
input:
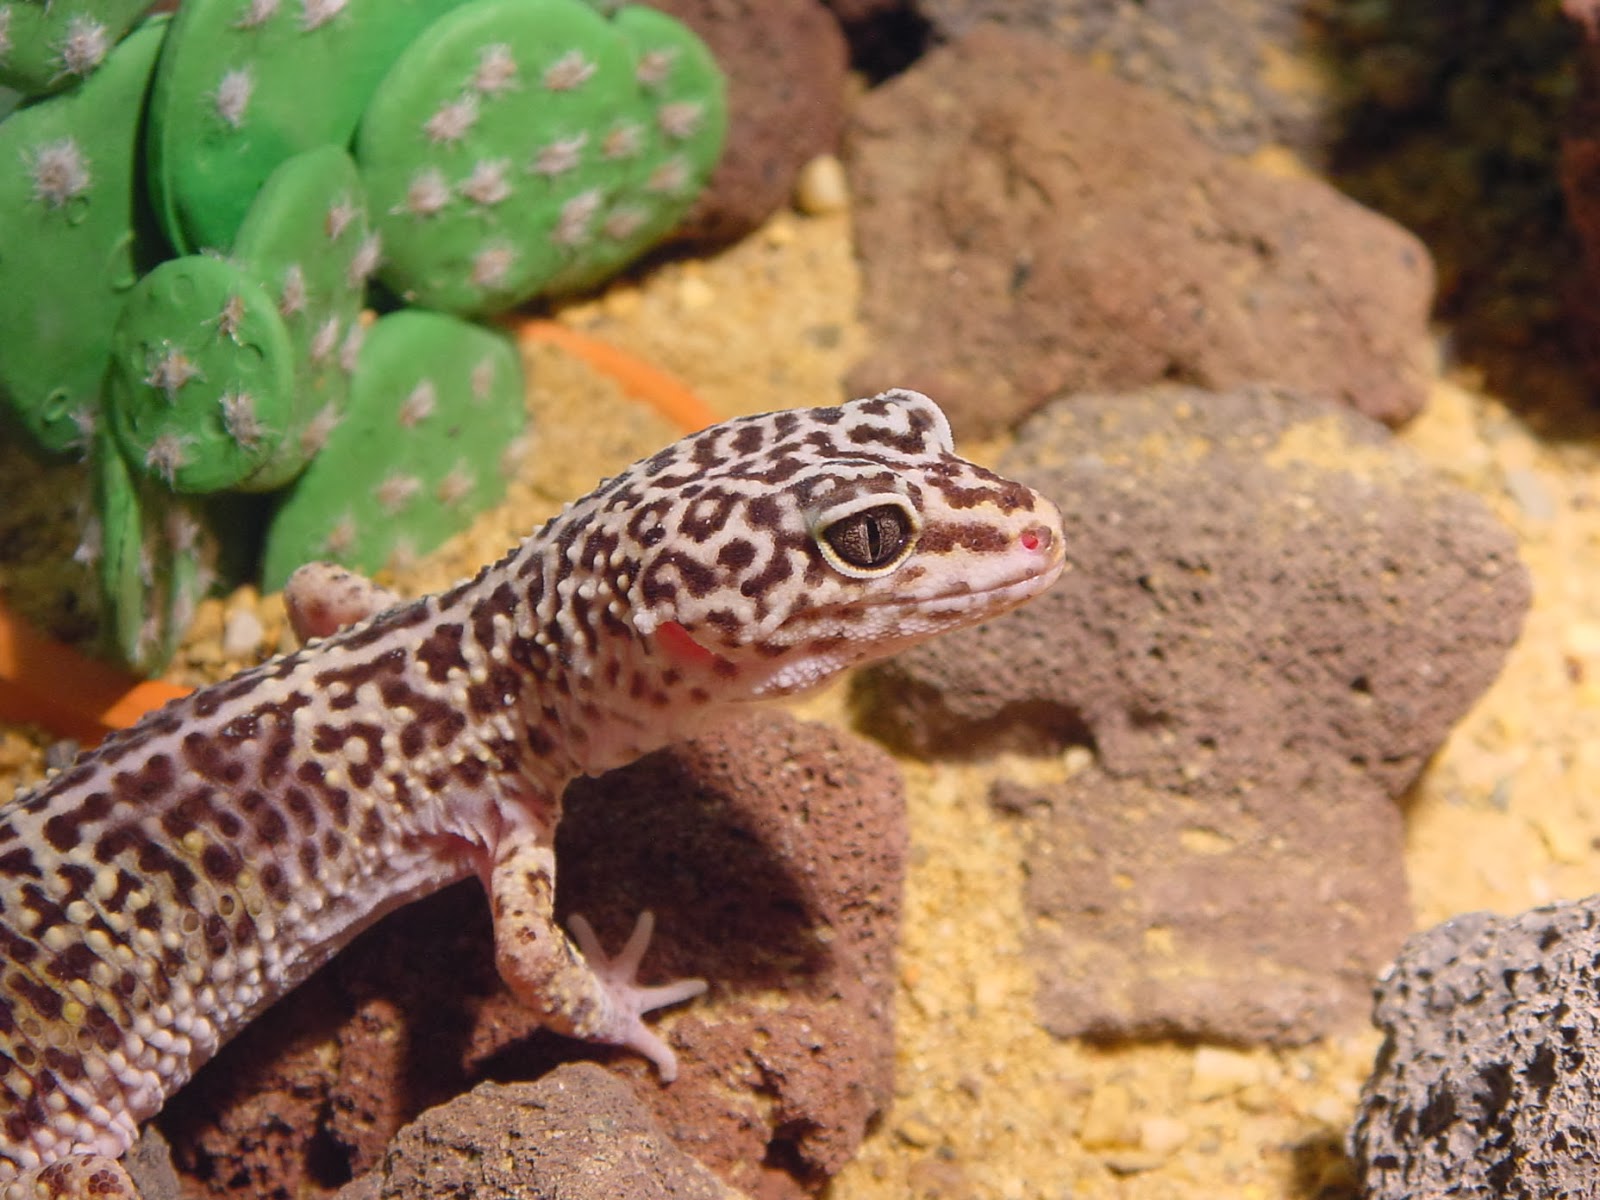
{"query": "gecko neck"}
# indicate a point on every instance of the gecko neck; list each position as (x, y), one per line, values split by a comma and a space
(551, 663)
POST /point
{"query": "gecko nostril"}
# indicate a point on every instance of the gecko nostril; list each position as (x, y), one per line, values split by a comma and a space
(1037, 538)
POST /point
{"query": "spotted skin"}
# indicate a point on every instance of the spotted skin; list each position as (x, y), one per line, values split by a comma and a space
(166, 887)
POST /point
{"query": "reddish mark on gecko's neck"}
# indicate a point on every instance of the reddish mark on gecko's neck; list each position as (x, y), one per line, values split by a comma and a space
(679, 646)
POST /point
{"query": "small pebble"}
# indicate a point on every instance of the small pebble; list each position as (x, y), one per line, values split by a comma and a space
(821, 188)
(916, 1130)
(695, 294)
(1219, 1072)
(242, 633)
(1109, 1122)
(58, 755)
(1162, 1136)
(1531, 494)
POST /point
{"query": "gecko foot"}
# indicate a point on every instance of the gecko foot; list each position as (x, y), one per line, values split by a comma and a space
(631, 1000)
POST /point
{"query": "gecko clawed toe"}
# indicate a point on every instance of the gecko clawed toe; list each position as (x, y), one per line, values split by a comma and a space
(631, 999)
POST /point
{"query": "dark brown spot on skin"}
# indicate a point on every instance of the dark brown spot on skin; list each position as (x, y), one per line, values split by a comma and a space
(154, 858)
(143, 786)
(275, 758)
(736, 554)
(471, 772)
(747, 440)
(449, 729)
(707, 516)
(242, 728)
(205, 757)
(975, 535)
(273, 879)
(501, 602)
(271, 828)
(76, 880)
(220, 864)
(216, 936)
(499, 691)
(19, 862)
(298, 802)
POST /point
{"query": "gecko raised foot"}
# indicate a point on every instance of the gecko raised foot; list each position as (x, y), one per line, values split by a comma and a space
(630, 1000)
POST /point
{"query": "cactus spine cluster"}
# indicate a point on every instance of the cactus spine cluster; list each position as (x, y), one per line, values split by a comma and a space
(466, 154)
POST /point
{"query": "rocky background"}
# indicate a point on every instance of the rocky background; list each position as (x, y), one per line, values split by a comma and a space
(1288, 303)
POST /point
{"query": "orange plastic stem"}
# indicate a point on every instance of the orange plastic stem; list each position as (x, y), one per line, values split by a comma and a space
(638, 378)
(46, 683)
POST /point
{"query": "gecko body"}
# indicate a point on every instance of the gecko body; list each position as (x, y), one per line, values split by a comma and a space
(161, 891)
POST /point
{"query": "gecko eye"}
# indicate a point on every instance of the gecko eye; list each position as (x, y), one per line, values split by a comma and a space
(870, 541)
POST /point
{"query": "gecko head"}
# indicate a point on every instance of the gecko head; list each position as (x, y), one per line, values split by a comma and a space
(778, 550)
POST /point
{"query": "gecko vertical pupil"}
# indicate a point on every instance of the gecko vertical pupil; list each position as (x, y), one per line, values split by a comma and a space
(870, 538)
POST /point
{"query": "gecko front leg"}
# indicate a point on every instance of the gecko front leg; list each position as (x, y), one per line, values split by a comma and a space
(578, 989)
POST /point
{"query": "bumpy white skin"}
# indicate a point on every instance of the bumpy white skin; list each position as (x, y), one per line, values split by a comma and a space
(165, 888)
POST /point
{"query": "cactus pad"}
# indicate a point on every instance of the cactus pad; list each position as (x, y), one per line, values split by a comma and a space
(200, 391)
(45, 47)
(673, 153)
(522, 137)
(308, 242)
(445, 400)
(70, 249)
(157, 556)
(245, 84)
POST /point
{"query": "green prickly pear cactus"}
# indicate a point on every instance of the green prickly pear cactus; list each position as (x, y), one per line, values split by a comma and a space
(47, 45)
(444, 398)
(156, 556)
(228, 373)
(245, 84)
(72, 241)
(526, 142)
(503, 149)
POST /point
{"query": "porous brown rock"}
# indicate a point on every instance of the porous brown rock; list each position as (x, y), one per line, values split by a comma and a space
(1045, 229)
(579, 1133)
(1251, 914)
(786, 63)
(1270, 618)
(1487, 1082)
(772, 854)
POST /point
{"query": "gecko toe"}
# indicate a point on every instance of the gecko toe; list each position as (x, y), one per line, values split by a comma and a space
(630, 999)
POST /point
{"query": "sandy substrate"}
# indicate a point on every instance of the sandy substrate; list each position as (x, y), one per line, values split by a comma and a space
(988, 1105)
